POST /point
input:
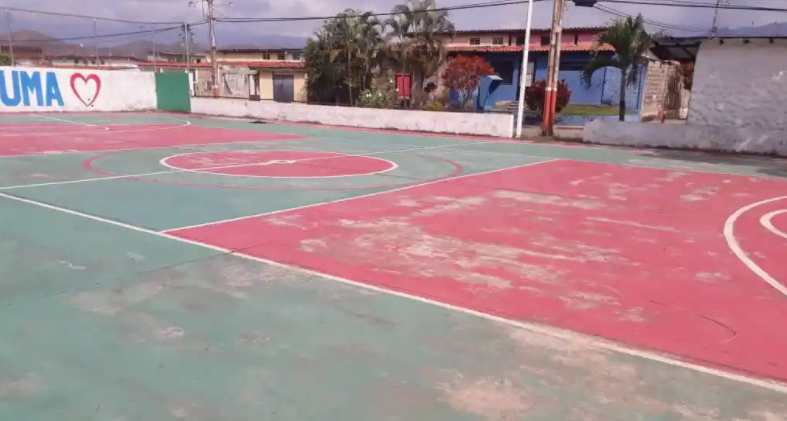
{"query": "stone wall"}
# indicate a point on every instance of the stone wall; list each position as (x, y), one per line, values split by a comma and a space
(741, 84)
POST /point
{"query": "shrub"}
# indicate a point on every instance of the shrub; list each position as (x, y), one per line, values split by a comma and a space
(434, 106)
(381, 94)
(536, 93)
(464, 73)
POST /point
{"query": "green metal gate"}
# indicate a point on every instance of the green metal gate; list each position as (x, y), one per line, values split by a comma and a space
(172, 92)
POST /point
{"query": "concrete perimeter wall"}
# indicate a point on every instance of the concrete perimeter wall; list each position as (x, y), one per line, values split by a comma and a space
(498, 125)
(687, 136)
(57, 90)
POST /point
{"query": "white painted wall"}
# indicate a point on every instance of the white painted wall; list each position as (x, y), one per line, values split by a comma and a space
(687, 136)
(57, 90)
(498, 125)
(740, 85)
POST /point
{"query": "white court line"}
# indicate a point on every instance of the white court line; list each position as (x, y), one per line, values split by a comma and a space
(558, 333)
(426, 183)
(768, 224)
(116, 177)
(732, 243)
(63, 120)
(104, 129)
(392, 165)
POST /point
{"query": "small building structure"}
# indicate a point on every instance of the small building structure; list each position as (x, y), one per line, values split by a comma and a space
(267, 74)
(23, 55)
(740, 79)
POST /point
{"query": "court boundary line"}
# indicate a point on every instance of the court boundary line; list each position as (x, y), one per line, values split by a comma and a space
(563, 334)
(735, 247)
(117, 177)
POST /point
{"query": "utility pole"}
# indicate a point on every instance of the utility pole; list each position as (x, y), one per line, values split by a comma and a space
(714, 28)
(153, 47)
(187, 40)
(523, 73)
(547, 126)
(214, 74)
(10, 37)
(95, 41)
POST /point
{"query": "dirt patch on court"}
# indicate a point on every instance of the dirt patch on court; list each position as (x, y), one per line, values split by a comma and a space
(547, 199)
(20, 387)
(488, 398)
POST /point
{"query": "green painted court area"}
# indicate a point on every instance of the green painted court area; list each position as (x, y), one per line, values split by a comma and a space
(128, 292)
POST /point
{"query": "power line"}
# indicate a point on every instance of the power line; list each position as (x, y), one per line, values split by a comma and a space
(692, 5)
(71, 15)
(497, 3)
(651, 22)
(120, 34)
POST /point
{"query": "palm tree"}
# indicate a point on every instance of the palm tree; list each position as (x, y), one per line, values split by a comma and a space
(631, 42)
(357, 39)
(416, 28)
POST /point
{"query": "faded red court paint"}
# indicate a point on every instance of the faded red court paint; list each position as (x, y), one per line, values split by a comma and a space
(279, 164)
(632, 254)
(53, 138)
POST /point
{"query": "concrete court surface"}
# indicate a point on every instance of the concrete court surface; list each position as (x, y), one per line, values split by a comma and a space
(167, 267)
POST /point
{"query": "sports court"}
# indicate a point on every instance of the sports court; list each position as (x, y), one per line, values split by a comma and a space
(164, 267)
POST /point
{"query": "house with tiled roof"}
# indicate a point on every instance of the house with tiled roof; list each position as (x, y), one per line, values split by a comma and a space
(502, 48)
(267, 73)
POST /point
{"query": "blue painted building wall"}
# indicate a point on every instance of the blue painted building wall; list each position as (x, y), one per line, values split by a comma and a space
(604, 88)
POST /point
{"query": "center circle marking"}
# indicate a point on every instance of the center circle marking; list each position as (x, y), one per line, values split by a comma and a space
(278, 164)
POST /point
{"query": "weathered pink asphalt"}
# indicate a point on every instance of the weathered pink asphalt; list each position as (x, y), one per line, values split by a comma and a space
(59, 138)
(632, 254)
(305, 164)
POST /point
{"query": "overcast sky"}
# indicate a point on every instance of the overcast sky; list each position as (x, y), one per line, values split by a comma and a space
(493, 17)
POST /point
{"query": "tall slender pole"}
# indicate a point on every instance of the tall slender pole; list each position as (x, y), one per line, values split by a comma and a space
(556, 74)
(10, 37)
(214, 75)
(187, 40)
(153, 46)
(523, 77)
(95, 41)
(546, 129)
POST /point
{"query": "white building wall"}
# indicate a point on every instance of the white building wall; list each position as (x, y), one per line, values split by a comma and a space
(740, 85)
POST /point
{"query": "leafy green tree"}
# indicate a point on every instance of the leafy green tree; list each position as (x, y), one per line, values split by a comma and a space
(630, 41)
(416, 34)
(5, 60)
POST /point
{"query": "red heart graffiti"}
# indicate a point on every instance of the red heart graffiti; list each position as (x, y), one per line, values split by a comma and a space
(85, 79)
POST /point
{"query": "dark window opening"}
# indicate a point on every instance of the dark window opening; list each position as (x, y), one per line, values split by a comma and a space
(520, 41)
(576, 39)
(497, 41)
(504, 69)
(572, 66)
(475, 41)
(545, 41)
